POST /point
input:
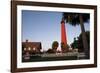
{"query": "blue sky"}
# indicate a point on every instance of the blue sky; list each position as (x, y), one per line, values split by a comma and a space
(45, 27)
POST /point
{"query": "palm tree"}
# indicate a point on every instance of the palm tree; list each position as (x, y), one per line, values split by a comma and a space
(79, 19)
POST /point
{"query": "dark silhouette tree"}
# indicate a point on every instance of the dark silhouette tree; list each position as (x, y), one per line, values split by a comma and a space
(55, 45)
(64, 47)
(50, 51)
(74, 45)
(79, 42)
(79, 19)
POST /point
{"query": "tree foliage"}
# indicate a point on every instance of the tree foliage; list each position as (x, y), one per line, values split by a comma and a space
(50, 51)
(55, 45)
(73, 18)
(78, 43)
(64, 47)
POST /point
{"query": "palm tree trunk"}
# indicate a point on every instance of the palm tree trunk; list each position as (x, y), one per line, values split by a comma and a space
(85, 44)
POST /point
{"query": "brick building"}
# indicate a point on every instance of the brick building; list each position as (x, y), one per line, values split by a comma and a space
(31, 47)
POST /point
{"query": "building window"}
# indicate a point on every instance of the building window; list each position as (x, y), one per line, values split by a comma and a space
(33, 48)
(29, 48)
(24, 49)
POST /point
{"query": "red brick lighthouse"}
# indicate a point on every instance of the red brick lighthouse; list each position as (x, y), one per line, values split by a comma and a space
(63, 37)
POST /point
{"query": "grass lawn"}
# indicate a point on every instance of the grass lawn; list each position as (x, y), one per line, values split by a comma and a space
(39, 58)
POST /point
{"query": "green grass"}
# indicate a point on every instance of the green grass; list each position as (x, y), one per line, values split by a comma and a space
(39, 58)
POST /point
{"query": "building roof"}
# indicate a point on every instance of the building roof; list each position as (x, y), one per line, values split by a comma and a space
(32, 45)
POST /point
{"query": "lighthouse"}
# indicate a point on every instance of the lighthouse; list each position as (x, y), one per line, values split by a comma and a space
(63, 37)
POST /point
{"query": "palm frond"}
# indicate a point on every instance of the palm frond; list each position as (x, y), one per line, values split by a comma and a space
(73, 18)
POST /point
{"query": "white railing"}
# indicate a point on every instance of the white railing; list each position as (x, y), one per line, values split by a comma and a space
(60, 54)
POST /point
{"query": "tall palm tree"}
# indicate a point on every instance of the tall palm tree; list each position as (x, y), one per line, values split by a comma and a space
(79, 19)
